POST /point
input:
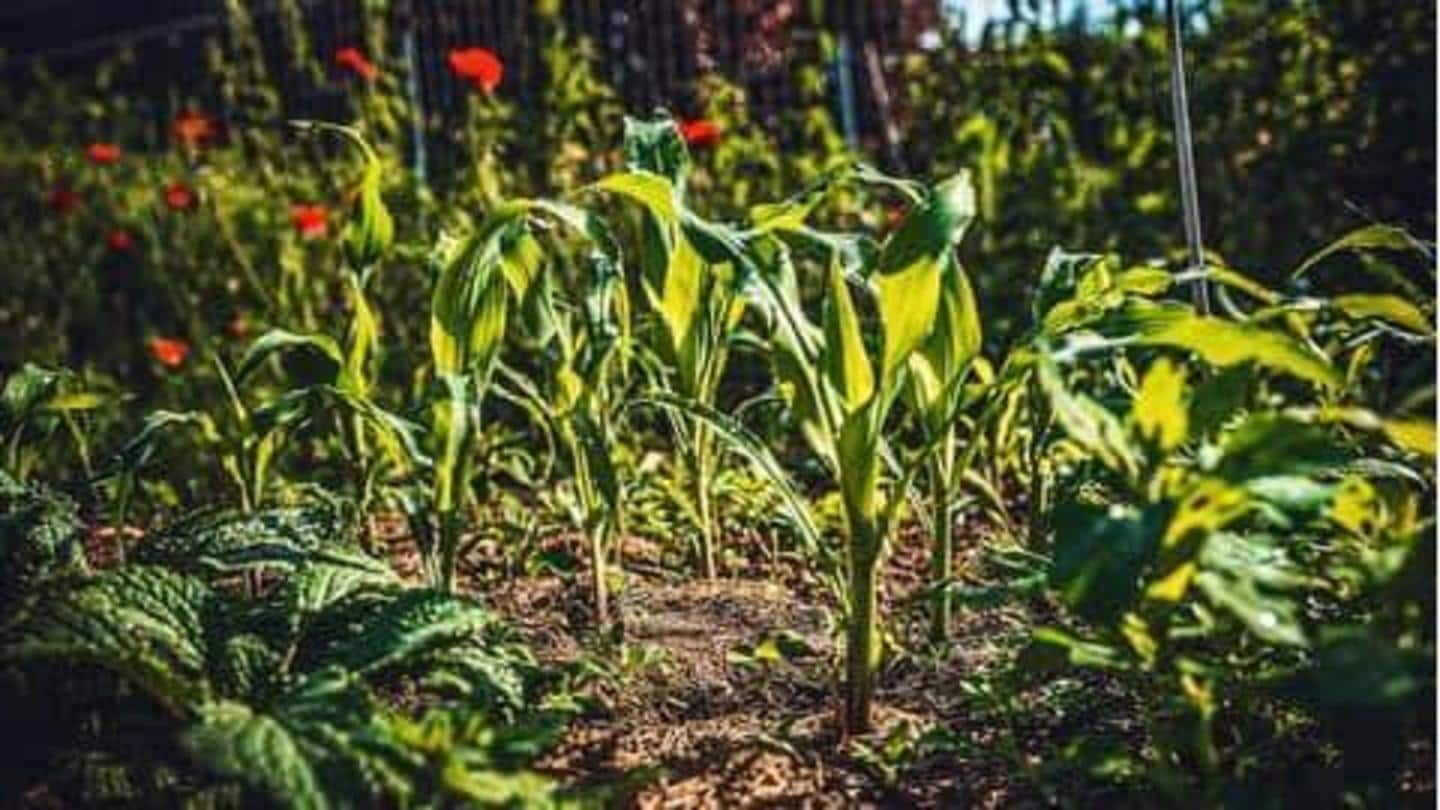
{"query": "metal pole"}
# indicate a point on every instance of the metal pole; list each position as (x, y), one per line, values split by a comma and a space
(846, 86)
(417, 103)
(1189, 196)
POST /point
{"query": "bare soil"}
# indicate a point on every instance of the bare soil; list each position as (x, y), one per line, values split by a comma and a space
(691, 719)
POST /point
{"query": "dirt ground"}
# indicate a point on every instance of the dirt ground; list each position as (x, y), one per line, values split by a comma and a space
(693, 718)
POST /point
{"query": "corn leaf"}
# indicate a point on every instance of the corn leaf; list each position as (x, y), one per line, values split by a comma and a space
(908, 272)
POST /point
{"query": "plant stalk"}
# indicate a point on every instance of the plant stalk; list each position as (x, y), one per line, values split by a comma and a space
(701, 471)
(862, 644)
(942, 555)
(597, 573)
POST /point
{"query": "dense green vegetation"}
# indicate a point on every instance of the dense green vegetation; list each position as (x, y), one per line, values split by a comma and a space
(285, 424)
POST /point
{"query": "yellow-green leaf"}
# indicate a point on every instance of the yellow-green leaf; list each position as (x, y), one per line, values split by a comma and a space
(650, 190)
(1370, 237)
(1160, 410)
(845, 362)
(908, 275)
(1223, 343)
(1390, 308)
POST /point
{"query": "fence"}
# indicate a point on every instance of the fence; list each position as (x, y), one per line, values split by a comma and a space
(651, 50)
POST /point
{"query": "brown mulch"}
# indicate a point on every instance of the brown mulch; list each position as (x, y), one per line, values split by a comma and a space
(689, 719)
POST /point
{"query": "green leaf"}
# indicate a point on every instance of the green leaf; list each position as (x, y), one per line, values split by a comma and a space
(371, 231)
(1052, 652)
(40, 539)
(1225, 343)
(279, 341)
(846, 365)
(414, 631)
(1160, 409)
(33, 389)
(652, 191)
(226, 542)
(1390, 308)
(1059, 279)
(908, 272)
(257, 749)
(1088, 423)
(1415, 435)
(1250, 578)
(145, 623)
(1268, 444)
(1219, 397)
(140, 448)
(656, 146)
(1370, 237)
(1100, 555)
(471, 298)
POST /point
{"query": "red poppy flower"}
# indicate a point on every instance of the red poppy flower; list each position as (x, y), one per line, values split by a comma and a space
(63, 200)
(119, 240)
(169, 352)
(354, 61)
(699, 132)
(478, 66)
(238, 327)
(102, 154)
(894, 215)
(193, 128)
(179, 197)
(310, 221)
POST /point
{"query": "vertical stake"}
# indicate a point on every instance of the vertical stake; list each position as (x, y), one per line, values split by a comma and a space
(845, 80)
(417, 103)
(1189, 196)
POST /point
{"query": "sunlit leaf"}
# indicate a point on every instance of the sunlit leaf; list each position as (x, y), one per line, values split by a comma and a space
(1160, 410)
(1370, 237)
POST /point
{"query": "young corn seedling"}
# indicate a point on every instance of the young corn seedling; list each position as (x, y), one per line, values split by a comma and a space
(336, 378)
(842, 392)
(575, 400)
(936, 392)
(696, 288)
(483, 280)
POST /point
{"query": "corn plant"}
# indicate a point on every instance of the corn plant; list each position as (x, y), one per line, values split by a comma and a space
(841, 391)
(576, 399)
(937, 392)
(483, 279)
(695, 285)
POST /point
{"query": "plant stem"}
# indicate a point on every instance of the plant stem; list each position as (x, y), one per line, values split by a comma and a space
(449, 548)
(702, 473)
(942, 552)
(597, 573)
(862, 647)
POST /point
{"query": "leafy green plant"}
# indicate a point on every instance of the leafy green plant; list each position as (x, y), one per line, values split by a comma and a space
(1203, 544)
(35, 404)
(283, 693)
